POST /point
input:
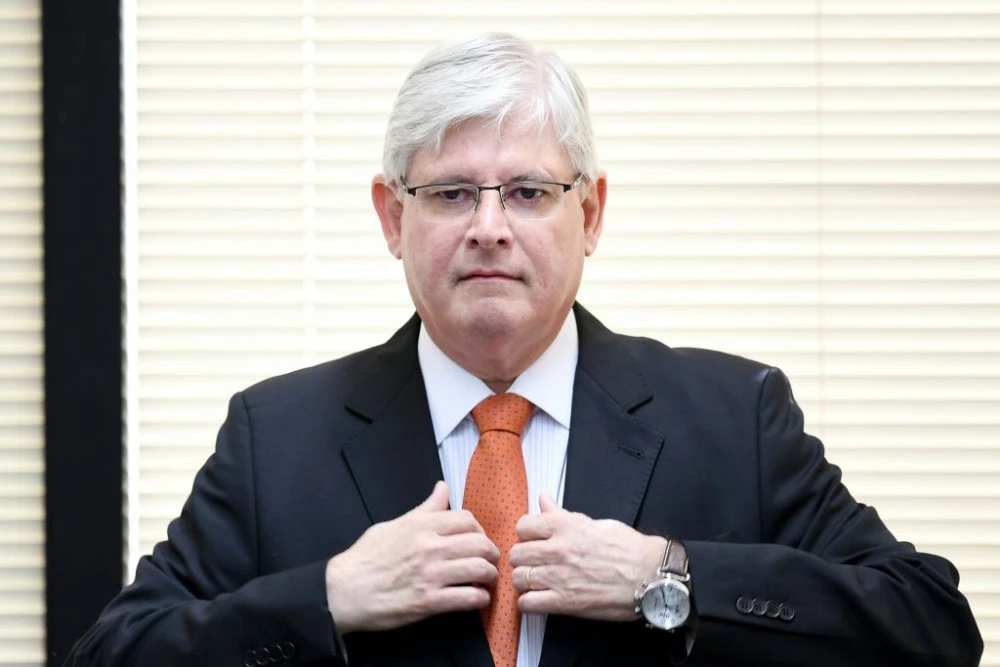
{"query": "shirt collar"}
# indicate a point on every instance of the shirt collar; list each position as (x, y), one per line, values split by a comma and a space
(452, 391)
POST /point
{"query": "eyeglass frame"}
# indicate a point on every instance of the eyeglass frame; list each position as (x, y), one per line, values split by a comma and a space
(566, 187)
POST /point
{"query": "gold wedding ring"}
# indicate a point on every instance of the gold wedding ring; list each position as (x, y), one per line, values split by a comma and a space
(527, 581)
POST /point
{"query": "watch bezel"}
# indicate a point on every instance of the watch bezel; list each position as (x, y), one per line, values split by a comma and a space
(667, 582)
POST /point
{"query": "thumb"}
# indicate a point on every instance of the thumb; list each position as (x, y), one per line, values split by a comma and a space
(437, 501)
(546, 504)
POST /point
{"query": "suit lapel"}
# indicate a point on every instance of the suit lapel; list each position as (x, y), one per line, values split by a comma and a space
(395, 464)
(610, 455)
(394, 460)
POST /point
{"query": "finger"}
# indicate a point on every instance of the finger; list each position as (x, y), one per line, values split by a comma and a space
(529, 553)
(525, 580)
(453, 522)
(437, 501)
(466, 545)
(535, 527)
(464, 571)
(547, 504)
(457, 598)
(540, 602)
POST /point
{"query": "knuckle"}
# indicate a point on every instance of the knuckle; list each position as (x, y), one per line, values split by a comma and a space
(476, 598)
(560, 554)
(426, 572)
(488, 571)
(528, 555)
(426, 546)
(576, 554)
(424, 605)
(487, 549)
(420, 542)
(479, 570)
(484, 549)
(469, 597)
(424, 600)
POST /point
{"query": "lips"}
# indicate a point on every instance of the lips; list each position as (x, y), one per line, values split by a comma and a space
(500, 275)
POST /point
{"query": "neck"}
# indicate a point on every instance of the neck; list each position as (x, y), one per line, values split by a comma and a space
(498, 386)
(498, 365)
(495, 361)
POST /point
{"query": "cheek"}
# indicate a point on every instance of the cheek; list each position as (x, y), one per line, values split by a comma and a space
(556, 266)
(558, 252)
(416, 240)
(569, 235)
(426, 252)
(566, 266)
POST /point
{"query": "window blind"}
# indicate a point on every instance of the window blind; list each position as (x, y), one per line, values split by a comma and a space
(811, 184)
(22, 530)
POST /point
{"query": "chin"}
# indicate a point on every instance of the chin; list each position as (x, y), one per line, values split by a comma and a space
(493, 320)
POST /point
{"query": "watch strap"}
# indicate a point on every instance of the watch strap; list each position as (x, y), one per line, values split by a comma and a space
(675, 561)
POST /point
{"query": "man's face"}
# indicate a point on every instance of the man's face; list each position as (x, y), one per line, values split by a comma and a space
(493, 275)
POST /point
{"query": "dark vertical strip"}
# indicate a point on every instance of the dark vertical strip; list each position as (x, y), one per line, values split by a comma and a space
(83, 314)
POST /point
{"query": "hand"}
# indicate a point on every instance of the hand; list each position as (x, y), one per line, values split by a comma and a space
(581, 566)
(429, 561)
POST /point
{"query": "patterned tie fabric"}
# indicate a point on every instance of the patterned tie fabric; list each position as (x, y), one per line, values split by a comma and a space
(496, 492)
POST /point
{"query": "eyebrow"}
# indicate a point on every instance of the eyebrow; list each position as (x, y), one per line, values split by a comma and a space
(531, 176)
(450, 178)
(455, 178)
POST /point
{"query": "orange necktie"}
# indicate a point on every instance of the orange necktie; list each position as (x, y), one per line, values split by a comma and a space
(496, 492)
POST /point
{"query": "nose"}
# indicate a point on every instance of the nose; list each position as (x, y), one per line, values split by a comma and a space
(489, 225)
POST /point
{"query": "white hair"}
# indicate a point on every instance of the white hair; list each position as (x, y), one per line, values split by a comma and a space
(494, 77)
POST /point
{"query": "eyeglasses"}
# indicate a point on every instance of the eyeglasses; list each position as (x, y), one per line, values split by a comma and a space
(528, 200)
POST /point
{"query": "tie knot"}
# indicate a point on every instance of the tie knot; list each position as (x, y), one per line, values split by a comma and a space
(503, 412)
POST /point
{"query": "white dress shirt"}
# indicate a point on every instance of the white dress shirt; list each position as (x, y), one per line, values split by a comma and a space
(452, 392)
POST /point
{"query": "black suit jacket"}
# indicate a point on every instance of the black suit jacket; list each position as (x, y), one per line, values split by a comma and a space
(787, 568)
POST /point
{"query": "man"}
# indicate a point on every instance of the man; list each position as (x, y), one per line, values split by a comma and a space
(622, 502)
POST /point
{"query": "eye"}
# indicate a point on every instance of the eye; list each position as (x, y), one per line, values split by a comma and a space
(451, 194)
(527, 192)
(454, 194)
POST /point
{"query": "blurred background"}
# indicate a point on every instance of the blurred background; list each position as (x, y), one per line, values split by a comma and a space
(815, 185)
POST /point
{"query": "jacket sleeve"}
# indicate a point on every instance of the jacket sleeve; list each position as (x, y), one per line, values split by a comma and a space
(828, 585)
(200, 599)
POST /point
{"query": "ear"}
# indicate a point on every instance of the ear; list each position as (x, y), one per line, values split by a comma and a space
(390, 213)
(593, 212)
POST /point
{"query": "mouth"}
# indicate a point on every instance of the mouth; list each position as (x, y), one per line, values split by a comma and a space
(487, 275)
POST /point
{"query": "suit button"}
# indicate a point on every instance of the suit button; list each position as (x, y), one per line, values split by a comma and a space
(287, 650)
(773, 609)
(263, 656)
(250, 660)
(275, 652)
(744, 606)
(759, 607)
(786, 613)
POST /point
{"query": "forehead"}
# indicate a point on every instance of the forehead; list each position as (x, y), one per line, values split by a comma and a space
(480, 152)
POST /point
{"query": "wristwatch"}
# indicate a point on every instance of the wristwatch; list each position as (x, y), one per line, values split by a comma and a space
(665, 602)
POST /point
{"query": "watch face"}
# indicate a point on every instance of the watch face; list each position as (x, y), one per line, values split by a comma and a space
(666, 604)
